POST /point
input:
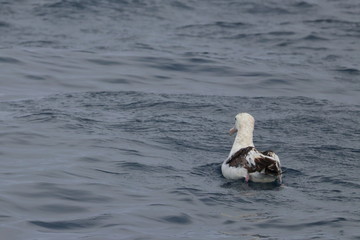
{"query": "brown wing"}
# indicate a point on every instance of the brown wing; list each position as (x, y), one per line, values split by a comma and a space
(255, 161)
(269, 153)
(238, 159)
(271, 166)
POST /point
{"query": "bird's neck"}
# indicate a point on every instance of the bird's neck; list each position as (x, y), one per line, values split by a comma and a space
(244, 138)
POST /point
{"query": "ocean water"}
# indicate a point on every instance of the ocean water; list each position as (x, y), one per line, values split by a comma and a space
(114, 117)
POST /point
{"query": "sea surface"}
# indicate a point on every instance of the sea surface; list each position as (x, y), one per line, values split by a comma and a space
(114, 118)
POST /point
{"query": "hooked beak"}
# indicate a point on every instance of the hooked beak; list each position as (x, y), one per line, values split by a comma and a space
(232, 131)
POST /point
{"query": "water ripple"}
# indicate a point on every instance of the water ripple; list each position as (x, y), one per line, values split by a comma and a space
(53, 191)
(85, 224)
(153, 158)
(180, 219)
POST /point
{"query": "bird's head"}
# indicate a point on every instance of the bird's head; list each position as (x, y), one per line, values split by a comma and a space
(242, 121)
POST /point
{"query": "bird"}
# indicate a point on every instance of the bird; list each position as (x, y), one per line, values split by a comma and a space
(245, 161)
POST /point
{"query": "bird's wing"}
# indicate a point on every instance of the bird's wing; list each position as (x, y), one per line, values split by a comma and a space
(255, 161)
(238, 159)
(272, 154)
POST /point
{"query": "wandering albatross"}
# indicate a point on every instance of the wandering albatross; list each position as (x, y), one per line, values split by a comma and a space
(244, 160)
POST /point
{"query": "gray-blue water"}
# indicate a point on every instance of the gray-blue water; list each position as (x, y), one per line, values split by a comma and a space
(114, 117)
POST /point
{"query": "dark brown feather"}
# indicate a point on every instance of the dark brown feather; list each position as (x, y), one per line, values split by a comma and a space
(238, 159)
(263, 162)
(269, 153)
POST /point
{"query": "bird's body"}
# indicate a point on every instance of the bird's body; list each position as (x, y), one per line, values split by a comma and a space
(244, 160)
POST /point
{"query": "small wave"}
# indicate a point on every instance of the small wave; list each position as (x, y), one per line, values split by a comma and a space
(61, 208)
(4, 24)
(334, 222)
(105, 62)
(43, 116)
(211, 169)
(335, 181)
(282, 33)
(135, 166)
(118, 81)
(221, 24)
(314, 37)
(340, 25)
(274, 81)
(37, 77)
(350, 71)
(304, 4)
(255, 8)
(291, 172)
(86, 223)
(40, 43)
(10, 60)
(241, 186)
(53, 191)
(181, 5)
(182, 219)
(77, 5)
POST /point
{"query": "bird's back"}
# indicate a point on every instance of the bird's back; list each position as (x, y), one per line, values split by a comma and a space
(266, 163)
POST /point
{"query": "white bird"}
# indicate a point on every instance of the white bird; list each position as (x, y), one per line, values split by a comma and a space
(244, 161)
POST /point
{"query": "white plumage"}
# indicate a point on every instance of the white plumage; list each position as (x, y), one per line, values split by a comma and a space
(244, 161)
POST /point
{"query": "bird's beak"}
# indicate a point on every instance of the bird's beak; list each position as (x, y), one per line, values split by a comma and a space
(232, 131)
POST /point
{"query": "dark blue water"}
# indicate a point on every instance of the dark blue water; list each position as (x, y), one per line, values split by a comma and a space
(114, 118)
